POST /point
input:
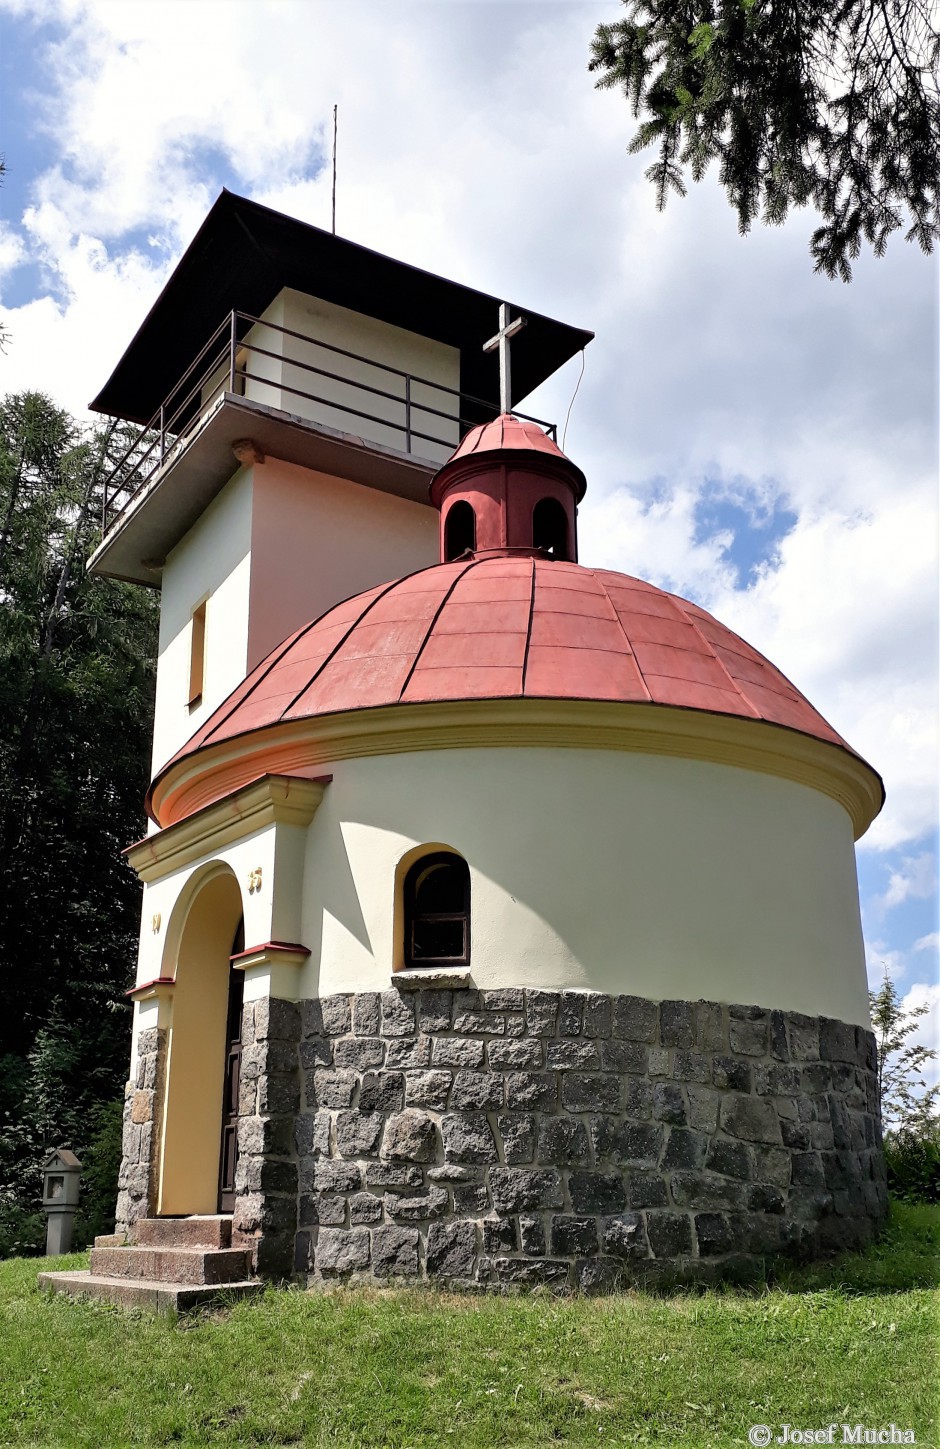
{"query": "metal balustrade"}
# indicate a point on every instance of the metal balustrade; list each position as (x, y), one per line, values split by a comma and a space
(224, 365)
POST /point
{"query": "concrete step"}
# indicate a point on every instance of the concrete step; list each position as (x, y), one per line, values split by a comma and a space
(155, 1297)
(209, 1231)
(172, 1265)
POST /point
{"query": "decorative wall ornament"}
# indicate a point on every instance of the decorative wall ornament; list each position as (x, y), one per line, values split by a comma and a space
(156, 921)
(254, 880)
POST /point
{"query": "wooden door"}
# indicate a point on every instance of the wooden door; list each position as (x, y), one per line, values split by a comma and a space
(228, 1156)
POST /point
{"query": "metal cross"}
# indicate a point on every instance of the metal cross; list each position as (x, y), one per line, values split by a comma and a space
(507, 329)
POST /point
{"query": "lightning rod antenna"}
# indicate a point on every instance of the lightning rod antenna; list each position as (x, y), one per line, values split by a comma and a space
(335, 109)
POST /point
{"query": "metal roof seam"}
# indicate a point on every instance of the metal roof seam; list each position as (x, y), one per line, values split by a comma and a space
(473, 563)
(528, 632)
(710, 648)
(630, 651)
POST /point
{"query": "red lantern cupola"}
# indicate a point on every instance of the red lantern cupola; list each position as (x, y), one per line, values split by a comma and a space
(508, 489)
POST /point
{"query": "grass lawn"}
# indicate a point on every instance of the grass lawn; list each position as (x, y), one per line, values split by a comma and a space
(853, 1341)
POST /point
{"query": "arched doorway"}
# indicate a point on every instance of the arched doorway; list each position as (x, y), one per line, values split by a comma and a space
(198, 1046)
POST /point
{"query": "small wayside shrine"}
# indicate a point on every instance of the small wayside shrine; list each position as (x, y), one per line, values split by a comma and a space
(500, 917)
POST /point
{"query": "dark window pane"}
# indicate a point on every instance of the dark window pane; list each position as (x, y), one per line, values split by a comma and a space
(437, 940)
(439, 888)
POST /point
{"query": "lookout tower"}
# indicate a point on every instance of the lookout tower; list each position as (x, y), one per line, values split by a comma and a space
(295, 395)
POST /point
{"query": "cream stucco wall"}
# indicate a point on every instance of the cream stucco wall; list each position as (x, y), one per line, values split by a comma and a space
(212, 563)
(661, 877)
(394, 346)
(316, 539)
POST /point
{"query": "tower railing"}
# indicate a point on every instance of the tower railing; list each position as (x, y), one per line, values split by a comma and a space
(232, 364)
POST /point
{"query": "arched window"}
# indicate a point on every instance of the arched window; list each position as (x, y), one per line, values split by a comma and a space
(437, 911)
(550, 528)
(460, 530)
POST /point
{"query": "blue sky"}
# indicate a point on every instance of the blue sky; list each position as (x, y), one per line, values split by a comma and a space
(755, 437)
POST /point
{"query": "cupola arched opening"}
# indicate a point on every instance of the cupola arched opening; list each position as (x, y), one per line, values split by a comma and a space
(550, 528)
(437, 911)
(460, 530)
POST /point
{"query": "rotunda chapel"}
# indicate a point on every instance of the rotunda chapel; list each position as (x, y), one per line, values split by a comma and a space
(500, 922)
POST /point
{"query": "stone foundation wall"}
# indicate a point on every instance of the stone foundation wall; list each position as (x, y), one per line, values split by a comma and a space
(142, 1098)
(566, 1138)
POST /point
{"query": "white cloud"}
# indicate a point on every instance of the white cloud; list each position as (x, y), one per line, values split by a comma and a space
(916, 880)
(930, 942)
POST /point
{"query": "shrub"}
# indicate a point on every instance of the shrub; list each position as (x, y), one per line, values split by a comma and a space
(913, 1162)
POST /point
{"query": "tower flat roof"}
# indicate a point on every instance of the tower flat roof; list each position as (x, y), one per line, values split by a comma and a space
(244, 254)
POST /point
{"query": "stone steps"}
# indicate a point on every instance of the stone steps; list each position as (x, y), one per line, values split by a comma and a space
(169, 1265)
(155, 1297)
(173, 1265)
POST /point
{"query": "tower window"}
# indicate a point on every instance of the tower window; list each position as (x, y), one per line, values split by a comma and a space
(197, 655)
(437, 911)
(460, 530)
(550, 528)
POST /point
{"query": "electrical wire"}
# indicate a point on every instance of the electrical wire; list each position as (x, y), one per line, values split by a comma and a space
(564, 431)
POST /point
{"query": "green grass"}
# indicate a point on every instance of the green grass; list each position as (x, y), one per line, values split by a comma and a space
(855, 1341)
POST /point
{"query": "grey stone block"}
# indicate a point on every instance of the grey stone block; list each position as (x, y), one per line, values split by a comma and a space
(731, 1075)
(749, 1038)
(776, 1080)
(691, 1067)
(499, 1236)
(316, 1052)
(703, 1108)
(677, 1024)
(803, 1036)
(331, 1175)
(477, 1089)
(364, 1208)
(405, 1052)
(762, 1198)
(468, 1137)
(449, 1052)
(620, 1055)
(669, 1104)
(618, 1141)
(669, 1234)
(731, 1159)
(563, 1142)
(684, 1149)
(336, 1015)
(328, 1087)
(624, 1236)
(715, 1233)
(772, 1164)
(393, 1175)
(541, 1011)
(330, 1211)
(418, 1208)
(480, 1023)
(434, 1010)
(471, 1200)
(311, 1017)
(705, 1190)
(410, 1136)
(278, 1095)
(451, 1250)
(382, 1092)
(519, 1189)
(398, 1014)
(572, 1056)
(749, 1119)
(635, 1018)
(531, 1090)
(395, 1252)
(594, 1092)
(358, 1133)
(514, 1055)
(710, 1026)
(532, 1236)
(797, 1135)
(530, 1274)
(660, 1060)
(503, 998)
(365, 1013)
(836, 1041)
(340, 1250)
(517, 1130)
(638, 1097)
(573, 1236)
(598, 1014)
(276, 1020)
(358, 1053)
(597, 1192)
(571, 1013)
(427, 1089)
(646, 1190)
(779, 1046)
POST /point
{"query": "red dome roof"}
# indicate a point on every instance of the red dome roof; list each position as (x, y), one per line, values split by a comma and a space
(508, 434)
(498, 628)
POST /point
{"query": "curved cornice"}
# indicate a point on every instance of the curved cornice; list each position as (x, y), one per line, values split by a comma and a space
(306, 745)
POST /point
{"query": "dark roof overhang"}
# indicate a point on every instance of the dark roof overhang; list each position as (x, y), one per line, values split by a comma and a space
(244, 254)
